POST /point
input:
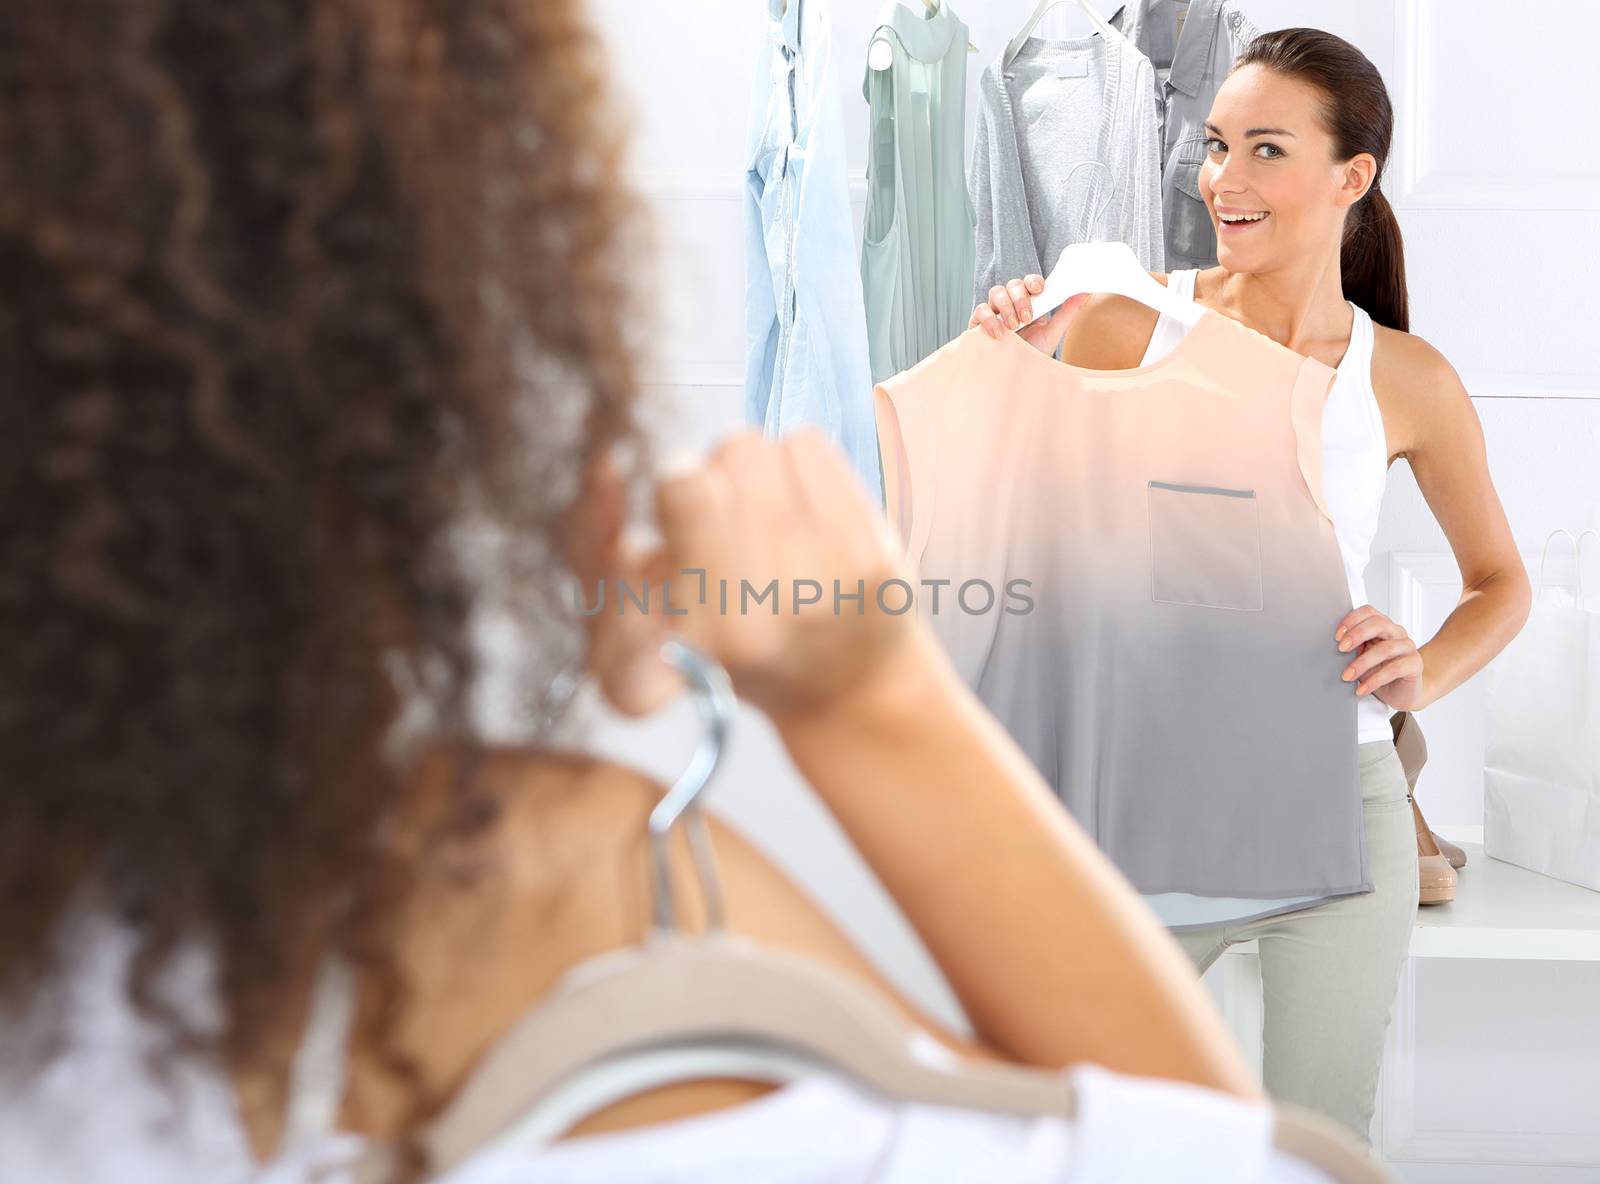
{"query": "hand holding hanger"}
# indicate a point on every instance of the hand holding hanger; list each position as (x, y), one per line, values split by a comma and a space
(1010, 308)
(786, 514)
(1024, 305)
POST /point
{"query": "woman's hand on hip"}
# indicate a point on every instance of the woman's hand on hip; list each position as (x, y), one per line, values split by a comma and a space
(755, 539)
(1387, 662)
(1011, 304)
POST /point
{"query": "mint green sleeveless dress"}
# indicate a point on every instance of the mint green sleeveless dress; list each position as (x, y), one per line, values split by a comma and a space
(918, 250)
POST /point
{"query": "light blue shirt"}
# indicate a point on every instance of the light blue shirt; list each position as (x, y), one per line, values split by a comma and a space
(805, 321)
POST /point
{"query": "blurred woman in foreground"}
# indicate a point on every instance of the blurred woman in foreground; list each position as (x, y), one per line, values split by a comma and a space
(321, 327)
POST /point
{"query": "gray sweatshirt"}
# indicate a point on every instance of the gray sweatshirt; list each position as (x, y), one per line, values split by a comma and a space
(1067, 149)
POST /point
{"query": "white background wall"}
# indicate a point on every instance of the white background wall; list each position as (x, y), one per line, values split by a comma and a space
(1496, 181)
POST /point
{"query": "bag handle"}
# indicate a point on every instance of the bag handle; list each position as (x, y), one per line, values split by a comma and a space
(1577, 551)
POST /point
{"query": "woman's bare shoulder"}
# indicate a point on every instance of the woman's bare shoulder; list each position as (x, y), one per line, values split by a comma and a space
(1416, 386)
(761, 899)
(1110, 331)
(562, 875)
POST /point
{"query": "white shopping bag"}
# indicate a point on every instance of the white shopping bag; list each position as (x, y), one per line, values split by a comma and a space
(1541, 777)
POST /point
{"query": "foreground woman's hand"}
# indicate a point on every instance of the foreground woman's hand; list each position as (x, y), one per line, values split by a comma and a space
(776, 563)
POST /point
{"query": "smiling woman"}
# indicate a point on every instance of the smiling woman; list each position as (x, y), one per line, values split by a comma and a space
(1309, 255)
(1241, 164)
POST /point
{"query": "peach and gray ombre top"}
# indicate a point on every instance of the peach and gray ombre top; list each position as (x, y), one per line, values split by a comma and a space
(1135, 571)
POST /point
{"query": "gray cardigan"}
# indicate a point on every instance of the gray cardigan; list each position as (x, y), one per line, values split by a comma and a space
(1116, 195)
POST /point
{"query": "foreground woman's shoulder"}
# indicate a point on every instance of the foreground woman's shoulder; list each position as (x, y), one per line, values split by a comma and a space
(570, 858)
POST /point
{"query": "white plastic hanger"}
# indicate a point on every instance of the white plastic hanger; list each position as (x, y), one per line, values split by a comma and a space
(880, 54)
(933, 6)
(1104, 26)
(1110, 267)
(681, 1007)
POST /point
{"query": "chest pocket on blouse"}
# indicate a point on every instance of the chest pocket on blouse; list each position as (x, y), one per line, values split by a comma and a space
(1205, 546)
(1190, 237)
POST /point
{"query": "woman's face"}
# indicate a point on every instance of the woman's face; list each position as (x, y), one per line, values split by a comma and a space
(1269, 155)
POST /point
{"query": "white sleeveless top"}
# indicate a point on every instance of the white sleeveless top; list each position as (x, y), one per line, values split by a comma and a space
(1355, 469)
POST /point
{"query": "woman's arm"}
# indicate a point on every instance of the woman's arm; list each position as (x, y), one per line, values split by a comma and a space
(1452, 469)
(1437, 428)
(1052, 954)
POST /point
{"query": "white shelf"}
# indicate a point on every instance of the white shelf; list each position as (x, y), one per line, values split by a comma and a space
(1503, 911)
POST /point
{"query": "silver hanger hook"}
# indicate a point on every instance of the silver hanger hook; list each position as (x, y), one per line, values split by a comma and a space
(715, 699)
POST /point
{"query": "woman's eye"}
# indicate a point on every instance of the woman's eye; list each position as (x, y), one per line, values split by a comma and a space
(1216, 145)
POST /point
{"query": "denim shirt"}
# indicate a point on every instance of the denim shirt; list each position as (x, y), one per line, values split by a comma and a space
(805, 321)
(1189, 67)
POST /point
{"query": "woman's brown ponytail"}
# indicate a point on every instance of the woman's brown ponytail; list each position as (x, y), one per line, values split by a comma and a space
(1360, 118)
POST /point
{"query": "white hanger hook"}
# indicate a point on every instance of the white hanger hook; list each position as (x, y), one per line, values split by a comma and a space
(1090, 231)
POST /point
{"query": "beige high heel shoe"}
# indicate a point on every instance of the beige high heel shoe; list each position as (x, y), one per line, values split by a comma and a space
(1413, 752)
(1436, 874)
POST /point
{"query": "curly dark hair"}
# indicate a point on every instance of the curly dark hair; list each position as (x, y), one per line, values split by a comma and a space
(315, 313)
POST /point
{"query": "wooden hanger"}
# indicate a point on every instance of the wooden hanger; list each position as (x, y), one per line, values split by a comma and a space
(1105, 27)
(683, 1007)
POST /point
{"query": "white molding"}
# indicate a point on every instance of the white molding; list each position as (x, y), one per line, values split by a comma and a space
(1413, 574)
(1244, 1005)
(1546, 1149)
(715, 184)
(1487, 384)
(1410, 80)
(1403, 1140)
(697, 374)
(1420, 186)
(1397, 1079)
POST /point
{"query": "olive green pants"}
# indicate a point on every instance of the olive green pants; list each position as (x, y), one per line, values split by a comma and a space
(1330, 971)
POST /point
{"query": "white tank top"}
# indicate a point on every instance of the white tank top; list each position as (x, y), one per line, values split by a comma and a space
(1355, 468)
(1355, 465)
